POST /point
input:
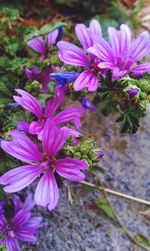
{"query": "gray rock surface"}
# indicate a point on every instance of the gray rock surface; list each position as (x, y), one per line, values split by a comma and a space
(81, 226)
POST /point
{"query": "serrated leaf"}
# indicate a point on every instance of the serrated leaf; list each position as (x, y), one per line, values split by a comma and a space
(104, 206)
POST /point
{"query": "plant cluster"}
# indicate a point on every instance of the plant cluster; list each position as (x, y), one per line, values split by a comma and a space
(39, 132)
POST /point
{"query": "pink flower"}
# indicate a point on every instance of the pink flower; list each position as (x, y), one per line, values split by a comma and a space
(73, 55)
(121, 53)
(28, 102)
(45, 164)
(21, 227)
(42, 77)
(42, 46)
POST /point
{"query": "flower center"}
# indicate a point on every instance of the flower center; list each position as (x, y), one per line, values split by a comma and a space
(49, 163)
(8, 230)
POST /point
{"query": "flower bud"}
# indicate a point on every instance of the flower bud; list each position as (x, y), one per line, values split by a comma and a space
(87, 105)
(133, 91)
(100, 154)
(144, 85)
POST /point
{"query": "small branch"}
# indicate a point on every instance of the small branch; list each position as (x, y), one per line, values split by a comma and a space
(117, 193)
(105, 191)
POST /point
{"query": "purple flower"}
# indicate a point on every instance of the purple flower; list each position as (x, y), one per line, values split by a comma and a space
(64, 77)
(21, 227)
(133, 91)
(29, 103)
(73, 55)
(32, 74)
(46, 164)
(87, 105)
(42, 46)
(121, 53)
(42, 77)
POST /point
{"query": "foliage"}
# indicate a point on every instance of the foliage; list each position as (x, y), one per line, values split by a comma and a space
(85, 150)
(112, 97)
(103, 205)
(143, 240)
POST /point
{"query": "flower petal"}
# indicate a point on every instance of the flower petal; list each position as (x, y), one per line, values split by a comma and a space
(103, 51)
(83, 34)
(125, 41)
(25, 234)
(86, 80)
(47, 191)
(73, 113)
(114, 37)
(32, 74)
(139, 48)
(21, 218)
(52, 104)
(17, 203)
(72, 54)
(12, 244)
(37, 44)
(87, 105)
(69, 168)
(36, 127)
(23, 126)
(28, 102)
(140, 69)
(118, 73)
(71, 132)
(22, 147)
(29, 203)
(64, 77)
(96, 31)
(106, 65)
(35, 222)
(53, 138)
(20, 177)
(51, 38)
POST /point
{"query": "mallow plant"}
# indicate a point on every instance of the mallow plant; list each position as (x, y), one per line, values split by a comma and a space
(44, 143)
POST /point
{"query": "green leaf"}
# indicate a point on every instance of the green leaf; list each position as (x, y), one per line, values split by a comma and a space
(43, 31)
(143, 240)
(48, 28)
(104, 206)
(97, 169)
(2, 247)
(33, 33)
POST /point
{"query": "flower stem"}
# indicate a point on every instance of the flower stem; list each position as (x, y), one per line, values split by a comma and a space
(129, 197)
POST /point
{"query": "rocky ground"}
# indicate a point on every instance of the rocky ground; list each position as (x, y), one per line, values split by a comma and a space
(82, 227)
